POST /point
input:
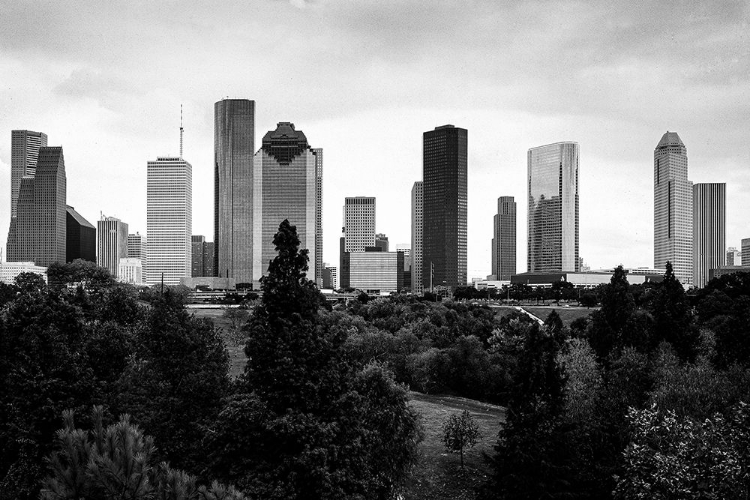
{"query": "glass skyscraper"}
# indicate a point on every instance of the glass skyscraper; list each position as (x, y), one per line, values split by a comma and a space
(504, 240)
(444, 154)
(553, 208)
(709, 230)
(234, 147)
(673, 208)
(286, 185)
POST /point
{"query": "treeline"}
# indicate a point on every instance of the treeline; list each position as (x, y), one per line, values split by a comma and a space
(151, 412)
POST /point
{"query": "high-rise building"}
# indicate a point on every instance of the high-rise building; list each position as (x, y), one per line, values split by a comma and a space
(203, 257)
(137, 247)
(417, 221)
(709, 230)
(359, 223)
(445, 184)
(734, 257)
(169, 219)
(330, 277)
(318, 216)
(234, 146)
(80, 237)
(286, 178)
(111, 243)
(24, 153)
(553, 208)
(381, 242)
(504, 240)
(38, 232)
(745, 252)
(673, 208)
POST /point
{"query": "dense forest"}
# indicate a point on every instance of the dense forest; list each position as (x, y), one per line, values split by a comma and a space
(112, 393)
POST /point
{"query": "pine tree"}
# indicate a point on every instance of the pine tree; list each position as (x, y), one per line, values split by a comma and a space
(673, 318)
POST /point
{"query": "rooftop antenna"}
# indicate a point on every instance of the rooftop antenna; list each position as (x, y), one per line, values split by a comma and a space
(181, 131)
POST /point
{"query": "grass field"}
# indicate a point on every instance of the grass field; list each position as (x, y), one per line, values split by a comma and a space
(438, 473)
(567, 314)
(236, 348)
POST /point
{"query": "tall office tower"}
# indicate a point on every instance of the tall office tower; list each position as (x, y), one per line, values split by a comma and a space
(709, 230)
(444, 154)
(673, 208)
(381, 242)
(553, 208)
(504, 240)
(318, 216)
(169, 219)
(734, 258)
(111, 243)
(38, 233)
(417, 221)
(203, 257)
(25, 146)
(234, 146)
(286, 175)
(359, 223)
(80, 237)
(137, 247)
(745, 252)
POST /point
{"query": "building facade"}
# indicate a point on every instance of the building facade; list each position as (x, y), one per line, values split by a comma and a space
(359, 223)
(417, 222)
(9, 271)
(130, 270)
(202, 257)
(445, 186)
(137, 248)
(709, 230)
(504, 240)
(330, 277)
(80, 237)
(734, 257)
(169, 220)
(111, 244)
(234, 147)
(24, 154)
(673, 208)
(38, 233)
(375, 272)
(745, 251)
(286, 178)
(553, 218)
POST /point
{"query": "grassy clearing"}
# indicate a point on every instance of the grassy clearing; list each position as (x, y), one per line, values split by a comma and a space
(567, 315)
(438, 473)
(235, 347)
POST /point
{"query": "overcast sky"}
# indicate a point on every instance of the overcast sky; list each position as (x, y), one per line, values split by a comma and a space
(364, 79)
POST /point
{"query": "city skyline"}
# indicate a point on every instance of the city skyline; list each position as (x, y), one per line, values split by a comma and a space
(612, 82)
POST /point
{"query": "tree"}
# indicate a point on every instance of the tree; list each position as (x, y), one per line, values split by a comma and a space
(608, 323)
(460, 432)
(117, 462)
(673, 318)
(83, 273)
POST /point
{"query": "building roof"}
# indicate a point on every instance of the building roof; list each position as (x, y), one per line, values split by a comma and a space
(79, 218)
(285, 143)
(670, 139)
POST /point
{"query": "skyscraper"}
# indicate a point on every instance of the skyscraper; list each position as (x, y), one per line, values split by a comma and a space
(709, 230)
(169, 219)
(673, 208)
(504, 240)
(38, 233)
(553, 208)
(111, 244)
(80, 237)
(203, 256)
(359, 223)
(444, 155)
(745, 251)
(286, 178)
(25, 146)
(417, 222)
(234, 146)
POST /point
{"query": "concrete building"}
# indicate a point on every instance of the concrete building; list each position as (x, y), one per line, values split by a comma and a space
(9, 271)
(717, 273)
(375, 272)
(673, 208)
(359, 223)
(330, 277)
(417, 225)
(38, 232)
(445, 186)
(234, 147)
(709, 230)
(381, 242)
(734, 257)
(137, 250)
(80, 237)
(589, 279)
(111, 243)
(169, 219)
(553, 219)
(504, 240)
(25, 145)
(287, 174)
(745, 251)
(202, 256)
(130, 271)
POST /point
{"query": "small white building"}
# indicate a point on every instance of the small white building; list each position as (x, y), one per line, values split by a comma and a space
(9, 270)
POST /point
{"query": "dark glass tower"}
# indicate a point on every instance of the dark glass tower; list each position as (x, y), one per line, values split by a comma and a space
(504, 241)
(444, 216)
(234, 147)
(80, 237)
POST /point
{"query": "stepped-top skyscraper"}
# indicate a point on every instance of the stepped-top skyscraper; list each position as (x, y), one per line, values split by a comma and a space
(504, 240)
(286, 185)
(553, 208)
(709, 230)
(234, 147)
(673, 208)
(445, 186)
(38, 232)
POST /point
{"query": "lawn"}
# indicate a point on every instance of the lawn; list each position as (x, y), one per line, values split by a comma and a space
(438, 473)
(235, 346)
(567, 314)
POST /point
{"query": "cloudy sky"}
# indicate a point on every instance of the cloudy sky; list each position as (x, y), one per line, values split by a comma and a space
(364, 79)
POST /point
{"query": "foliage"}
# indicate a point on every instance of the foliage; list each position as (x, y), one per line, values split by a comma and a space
(117, 462)
(673, 318)
(83, 273)
(608, 323)
(678, 457)
(30, 282)
(584, 380)
(459, 433)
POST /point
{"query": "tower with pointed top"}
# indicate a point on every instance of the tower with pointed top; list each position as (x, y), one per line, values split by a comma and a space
(673, 208)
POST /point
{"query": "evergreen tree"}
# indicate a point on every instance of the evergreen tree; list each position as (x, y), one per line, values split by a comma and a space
(609, 322)
(673, 317)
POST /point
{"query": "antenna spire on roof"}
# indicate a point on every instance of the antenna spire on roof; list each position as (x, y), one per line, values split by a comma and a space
(181, 131)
